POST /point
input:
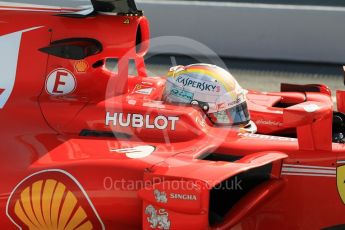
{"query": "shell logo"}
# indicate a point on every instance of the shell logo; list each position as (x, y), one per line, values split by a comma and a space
(341, 181)
(81, 66)
(52, 200)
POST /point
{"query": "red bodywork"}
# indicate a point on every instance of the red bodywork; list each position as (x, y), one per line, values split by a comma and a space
(97, 149)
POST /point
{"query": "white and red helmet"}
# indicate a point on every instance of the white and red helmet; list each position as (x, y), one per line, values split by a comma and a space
(212, 88)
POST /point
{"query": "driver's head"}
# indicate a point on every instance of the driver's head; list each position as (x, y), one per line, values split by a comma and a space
(211, 88)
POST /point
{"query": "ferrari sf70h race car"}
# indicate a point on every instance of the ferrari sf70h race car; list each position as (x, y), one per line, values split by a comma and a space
(83, 147)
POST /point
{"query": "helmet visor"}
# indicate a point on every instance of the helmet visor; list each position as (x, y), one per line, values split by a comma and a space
(236, 115)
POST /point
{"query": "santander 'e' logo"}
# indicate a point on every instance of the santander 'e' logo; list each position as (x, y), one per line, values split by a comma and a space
(1, 91)
(60, 82)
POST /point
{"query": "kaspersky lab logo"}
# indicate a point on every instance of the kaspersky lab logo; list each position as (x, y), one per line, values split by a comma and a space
(52, 199)
(202, 86)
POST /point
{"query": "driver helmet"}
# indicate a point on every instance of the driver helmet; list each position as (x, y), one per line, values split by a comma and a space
(214, 90)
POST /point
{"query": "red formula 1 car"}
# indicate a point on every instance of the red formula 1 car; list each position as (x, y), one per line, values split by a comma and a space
(84, 147)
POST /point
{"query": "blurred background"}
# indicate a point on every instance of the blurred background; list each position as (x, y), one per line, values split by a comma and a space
(261, 42)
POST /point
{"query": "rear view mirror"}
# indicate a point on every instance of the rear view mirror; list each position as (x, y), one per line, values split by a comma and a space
(305, 113)
(341, 101)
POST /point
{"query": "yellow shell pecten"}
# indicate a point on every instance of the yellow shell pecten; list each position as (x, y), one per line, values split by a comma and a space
(340, 182)
(48, 205)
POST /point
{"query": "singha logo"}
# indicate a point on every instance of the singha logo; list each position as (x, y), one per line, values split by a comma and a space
(161, 197)
(158, 220)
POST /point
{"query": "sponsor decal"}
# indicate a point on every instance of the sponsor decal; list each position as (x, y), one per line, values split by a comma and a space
(186, 81)
(81, 66)
(237, 99)
(157, 218)
(161, 197)
(127, 21)
(310, 108)
(141, 121)
(136, 152)
(52, 199)
(182, 196)
(9, 46)
(266, 137)
(60, 82)
(269, 123)
(182, 94)
(142, 89)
